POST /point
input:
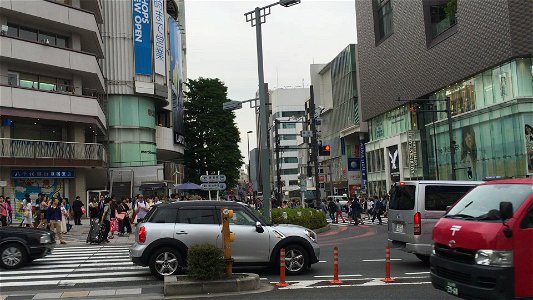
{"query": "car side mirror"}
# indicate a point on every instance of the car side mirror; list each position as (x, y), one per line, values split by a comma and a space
(258, 227)
(448, 208)
(506, 210)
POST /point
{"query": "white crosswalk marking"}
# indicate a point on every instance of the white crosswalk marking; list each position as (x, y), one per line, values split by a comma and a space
(77, 265)
(384, 221)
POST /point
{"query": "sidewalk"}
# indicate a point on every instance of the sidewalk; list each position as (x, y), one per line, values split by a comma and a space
(77, 236)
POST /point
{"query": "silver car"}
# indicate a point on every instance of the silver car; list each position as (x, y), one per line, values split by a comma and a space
(414, 209)
(169, 230)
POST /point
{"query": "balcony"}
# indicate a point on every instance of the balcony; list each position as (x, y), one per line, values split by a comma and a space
(166, 149)
(16, 152)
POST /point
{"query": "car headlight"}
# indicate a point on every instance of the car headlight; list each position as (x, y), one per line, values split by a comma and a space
(495, 258)
(45, 239)
(311, 235)
(433, 249)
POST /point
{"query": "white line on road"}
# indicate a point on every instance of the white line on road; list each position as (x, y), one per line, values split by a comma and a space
(84, 280)
(75, 265)
(416, 273)
(322, 261)
(109, 276)
(63, 260)
(74, 269)
(377, 260)
(331, 276)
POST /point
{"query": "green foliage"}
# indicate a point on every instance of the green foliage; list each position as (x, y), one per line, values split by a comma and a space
(211, 133)
(205, 262)
(306, 217)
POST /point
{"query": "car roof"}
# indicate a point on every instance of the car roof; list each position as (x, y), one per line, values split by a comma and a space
(443, 182)
(200, 203)
(512, 181)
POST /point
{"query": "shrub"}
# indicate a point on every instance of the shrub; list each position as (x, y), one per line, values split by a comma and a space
(205, 262)
(306, 217)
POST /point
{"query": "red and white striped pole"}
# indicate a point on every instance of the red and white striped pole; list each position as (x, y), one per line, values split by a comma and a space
(282, 282)
(336, 267)
(387, 278)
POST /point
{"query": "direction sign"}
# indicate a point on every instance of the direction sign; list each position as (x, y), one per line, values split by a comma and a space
(213, 178)
(306, 133)
(231, 105)
(213, 186)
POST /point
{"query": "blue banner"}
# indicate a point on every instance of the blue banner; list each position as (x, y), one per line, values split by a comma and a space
(176, 80)
(363, 166)
(141, 37)
(42, 173)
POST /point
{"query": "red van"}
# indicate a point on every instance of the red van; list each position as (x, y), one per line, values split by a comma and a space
(483, 246)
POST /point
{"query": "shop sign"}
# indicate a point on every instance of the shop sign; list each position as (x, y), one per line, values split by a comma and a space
(158, 18)
(363, 166)
(141, 37)
(42, 173)
(413, 155)
(394, 163)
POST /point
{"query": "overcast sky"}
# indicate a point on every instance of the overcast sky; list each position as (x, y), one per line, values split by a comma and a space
(220, 44)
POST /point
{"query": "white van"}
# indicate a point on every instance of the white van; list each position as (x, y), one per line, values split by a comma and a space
(414, 209)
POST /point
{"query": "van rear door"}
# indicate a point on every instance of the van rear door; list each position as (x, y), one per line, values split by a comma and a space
(523, 254)
(401, 210)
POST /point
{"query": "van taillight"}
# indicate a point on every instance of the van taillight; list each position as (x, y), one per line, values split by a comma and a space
(142, 234)
(417, 224)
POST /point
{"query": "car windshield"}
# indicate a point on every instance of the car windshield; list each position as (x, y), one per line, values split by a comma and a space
(483, 202)
(258, 215)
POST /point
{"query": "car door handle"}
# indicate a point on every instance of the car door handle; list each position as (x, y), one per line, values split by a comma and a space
(181, 232)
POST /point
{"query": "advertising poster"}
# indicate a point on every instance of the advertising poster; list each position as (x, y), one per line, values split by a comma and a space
(35, 186)
(176, 80)
(158, 20)
(363, 166)
(142, 45)
(394, 163)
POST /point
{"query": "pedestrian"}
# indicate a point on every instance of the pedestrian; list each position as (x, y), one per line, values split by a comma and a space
(27, 212)
(356, 211)
(332, 208)
(76, 209)
(54, 217)
(130, 213)
(106, 220)
(324, 207)
(349, 210)
(9, 210)
(370, 207)
(93, 210)
(3, 211)
(43, 208)
(123, 218)
(378, 210)
(64, 215)
(339, 212)
(142, 209)
(113, 222)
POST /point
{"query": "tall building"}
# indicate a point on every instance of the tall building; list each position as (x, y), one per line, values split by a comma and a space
(145, 68)
(478, 54)
(288, 108)
(52, 88)
(335, 87)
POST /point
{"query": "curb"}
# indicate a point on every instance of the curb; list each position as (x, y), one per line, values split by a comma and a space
(245, 282)
(323, 229)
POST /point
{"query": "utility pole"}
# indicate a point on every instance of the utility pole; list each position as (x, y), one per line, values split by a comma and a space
(314, 144)
(278, 170)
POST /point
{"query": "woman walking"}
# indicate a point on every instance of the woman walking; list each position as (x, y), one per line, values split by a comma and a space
(27, 215)
(93, 210)
(3, 211)
(64, 216)
(105, 219)
(9, 210)
(123, 218)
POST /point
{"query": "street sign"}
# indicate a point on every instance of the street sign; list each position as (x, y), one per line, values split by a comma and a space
(3, 183)
(232, 105)
(306, 133)
(213, 186)
(213, 178)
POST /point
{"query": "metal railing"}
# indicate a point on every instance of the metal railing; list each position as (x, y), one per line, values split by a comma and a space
(35, 149)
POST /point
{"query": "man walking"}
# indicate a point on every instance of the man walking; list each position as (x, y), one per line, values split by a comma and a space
(53, 218)
(76, 208)
(332, 208)
(356, 211)
(142, 208)
(339, 212)
(378, 210)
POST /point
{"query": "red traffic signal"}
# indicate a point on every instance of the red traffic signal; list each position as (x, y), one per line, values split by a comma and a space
(325, 150)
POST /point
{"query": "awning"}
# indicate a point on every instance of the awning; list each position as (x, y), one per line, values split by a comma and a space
(153, 186)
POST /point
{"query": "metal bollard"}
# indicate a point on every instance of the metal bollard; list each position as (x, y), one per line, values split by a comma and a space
(282, 282)
(336, 267)
(387, 278)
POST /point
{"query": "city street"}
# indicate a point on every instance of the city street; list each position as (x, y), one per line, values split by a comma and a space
(95, 271)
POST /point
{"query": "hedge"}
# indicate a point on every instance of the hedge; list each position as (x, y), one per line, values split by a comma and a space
(306, 217)
(205, 262)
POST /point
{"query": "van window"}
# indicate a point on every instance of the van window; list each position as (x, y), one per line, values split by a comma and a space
(483, 202)
(527, 222)
(403, 197)
(438, 197)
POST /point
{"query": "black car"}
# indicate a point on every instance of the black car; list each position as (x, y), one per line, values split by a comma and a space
(19, 245)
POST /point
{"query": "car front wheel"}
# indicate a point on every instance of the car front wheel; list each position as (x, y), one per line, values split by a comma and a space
(296, 259)
(165, 262)
(13, 256)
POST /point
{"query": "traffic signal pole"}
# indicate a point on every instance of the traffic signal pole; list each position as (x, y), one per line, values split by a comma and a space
(278, 169)
(314, 144)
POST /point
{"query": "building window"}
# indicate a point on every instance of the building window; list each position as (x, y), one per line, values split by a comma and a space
(288, 125)
(442, 16)
(384, 14)
(290, 160)
(36, 35)
(290, 172)
(294, 182)
(45, 83)
(287, 137)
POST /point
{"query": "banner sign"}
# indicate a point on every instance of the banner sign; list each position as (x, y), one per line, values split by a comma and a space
(394, 163)
(158, 19)
(141, 37)
(354, 164)
(176, 80)
(363, 166)
(413, 155)
(42, 173)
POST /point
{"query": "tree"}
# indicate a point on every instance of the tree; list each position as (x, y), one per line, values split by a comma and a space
(211, 133)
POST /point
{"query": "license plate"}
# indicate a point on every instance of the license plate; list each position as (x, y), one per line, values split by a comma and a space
(451, 288)
(398, 227)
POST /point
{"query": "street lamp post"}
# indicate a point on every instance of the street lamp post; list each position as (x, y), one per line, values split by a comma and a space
(256, 18)
(249, 175)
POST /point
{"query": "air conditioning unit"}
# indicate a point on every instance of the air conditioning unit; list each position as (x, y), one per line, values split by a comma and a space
(4, 29)
(45, 41)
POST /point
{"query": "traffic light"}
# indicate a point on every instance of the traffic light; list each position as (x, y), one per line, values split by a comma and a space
(469, 173)
(325, 150)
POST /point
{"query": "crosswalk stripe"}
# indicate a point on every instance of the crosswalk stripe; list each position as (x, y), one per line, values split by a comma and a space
(89, 254)
(49, 276)
(71, 270)
(75, 281)
(84, 264)
(83, 260)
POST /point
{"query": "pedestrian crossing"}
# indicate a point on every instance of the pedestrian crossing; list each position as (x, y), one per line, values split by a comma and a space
(384, 221)
(76, 266)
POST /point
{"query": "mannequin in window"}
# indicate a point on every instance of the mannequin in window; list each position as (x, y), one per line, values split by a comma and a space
(469, 149)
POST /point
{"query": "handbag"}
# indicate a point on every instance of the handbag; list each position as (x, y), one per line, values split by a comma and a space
(114, 225)
(121, 215)
(83, 210)
(26, 213)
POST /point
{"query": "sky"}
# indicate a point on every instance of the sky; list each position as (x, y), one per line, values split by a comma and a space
(221, 44)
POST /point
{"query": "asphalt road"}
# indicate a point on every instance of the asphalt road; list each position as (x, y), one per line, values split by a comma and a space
(361, 268)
